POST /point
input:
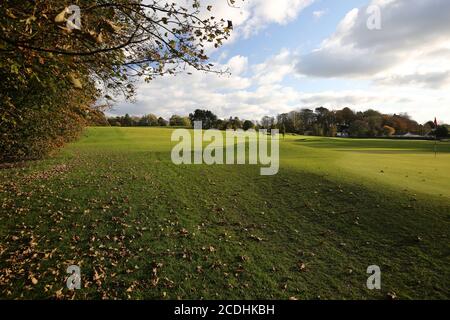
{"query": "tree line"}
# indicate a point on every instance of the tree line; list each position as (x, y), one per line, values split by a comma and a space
(318, 122)
(346, 122)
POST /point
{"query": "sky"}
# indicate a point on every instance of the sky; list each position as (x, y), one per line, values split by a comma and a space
(285, 55)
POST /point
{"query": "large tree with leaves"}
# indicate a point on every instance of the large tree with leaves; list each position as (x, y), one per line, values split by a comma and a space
(45, 56)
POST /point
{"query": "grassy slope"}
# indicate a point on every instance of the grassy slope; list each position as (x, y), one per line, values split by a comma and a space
(141, 227)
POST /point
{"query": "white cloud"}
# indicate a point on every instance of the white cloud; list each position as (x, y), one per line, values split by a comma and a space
(275, 68)
(248, 97)
(251, 16)
(263, 12)
(237, 65)
(409, 27)
(431, 80)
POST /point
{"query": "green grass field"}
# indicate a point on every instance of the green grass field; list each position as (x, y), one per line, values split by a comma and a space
(141, 227)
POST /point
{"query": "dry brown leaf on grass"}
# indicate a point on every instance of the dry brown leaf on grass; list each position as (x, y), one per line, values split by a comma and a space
(259, 239)
(302, 266)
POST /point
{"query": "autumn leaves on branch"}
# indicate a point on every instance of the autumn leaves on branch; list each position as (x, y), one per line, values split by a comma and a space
(86, 50)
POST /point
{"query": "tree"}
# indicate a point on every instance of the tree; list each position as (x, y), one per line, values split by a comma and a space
(186, 122)
(148, 120)
(158, 37)
(285, 121)
(248, 125)
(207, 118)
(345, 116)
(178, 121)
(441, 132)
(430, 124)
(175, 120)
(234, 123)
(162, 122)
(326, 120)
(220, 124)
(359, 128)
(50, 70)
(333, 130)
(296, 120)
(96, 117)
(127, 121)
(375, 121)
(308, 119)
(267, 122)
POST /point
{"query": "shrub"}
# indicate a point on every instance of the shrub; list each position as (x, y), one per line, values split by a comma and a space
(441, 132)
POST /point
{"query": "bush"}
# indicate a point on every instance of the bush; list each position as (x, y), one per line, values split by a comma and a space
(40, 115)
(441, 132)
(248, 125)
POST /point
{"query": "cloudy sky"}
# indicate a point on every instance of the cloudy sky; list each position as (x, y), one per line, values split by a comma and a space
(290, 54)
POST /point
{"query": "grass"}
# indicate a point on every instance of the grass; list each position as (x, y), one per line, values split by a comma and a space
(142, 228)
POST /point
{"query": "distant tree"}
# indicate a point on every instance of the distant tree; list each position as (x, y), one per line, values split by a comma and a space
(441, 132)
(345, 116)
(176, 120)
(430, 124)
(285, 120)
(127, 121)
(186, 122)
(308, 118)
(326, 122)
(220, 124)
(375, 121)
(317, 130)
(149, 120)
(296, 120)
(113, 122)
(162, 122)
(267, 122)
(359, 128)
(135, 121)
(207, 118)
(400, 124)
(248, 125)
(235, 123)
(333, 130)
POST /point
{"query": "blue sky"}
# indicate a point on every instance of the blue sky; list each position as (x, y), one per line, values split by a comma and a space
(304, 33)
(289, 54)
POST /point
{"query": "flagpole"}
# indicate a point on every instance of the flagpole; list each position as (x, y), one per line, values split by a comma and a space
(435, 145)
(435, 137)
